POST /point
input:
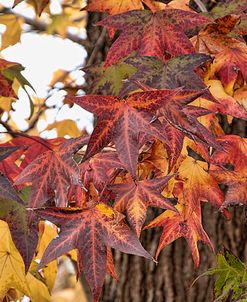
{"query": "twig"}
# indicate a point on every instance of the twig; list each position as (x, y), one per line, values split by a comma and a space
(97, 46)
(201, 6)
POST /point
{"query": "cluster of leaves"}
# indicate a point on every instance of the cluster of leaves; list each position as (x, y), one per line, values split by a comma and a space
(169, 77)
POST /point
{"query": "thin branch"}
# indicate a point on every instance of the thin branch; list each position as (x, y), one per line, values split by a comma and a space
(97, 46)
(201, 6)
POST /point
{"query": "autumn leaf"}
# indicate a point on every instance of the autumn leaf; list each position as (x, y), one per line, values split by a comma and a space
(90, 231)
(198, 184)
(230, 274)
(13, 30)
(136, 197)
(12, 273)
(52, 172)
(229, 168)
(230, 53)
(177, 72)
(121, 122)
(185, 224)
(65, 127)
(39, 5)
(149, 33)
(116, 7)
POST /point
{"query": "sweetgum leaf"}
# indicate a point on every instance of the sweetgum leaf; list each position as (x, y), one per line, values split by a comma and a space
(185, 224)
(114, 7)
(230, 275)
(52, 172)
(177, 72)
(90, 231)
(121, 121)
(150, 33)
(136, 197)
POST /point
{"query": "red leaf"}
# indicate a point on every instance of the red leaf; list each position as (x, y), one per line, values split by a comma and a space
(90, 231)
(150, 33)
(136, 197)
(52, 172)
(185, 224)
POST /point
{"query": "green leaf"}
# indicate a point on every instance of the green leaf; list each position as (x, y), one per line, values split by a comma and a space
(111, 79)
(231, 277)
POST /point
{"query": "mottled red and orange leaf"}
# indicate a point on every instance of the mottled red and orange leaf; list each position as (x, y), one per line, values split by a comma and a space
(136, 197)
(185, 224)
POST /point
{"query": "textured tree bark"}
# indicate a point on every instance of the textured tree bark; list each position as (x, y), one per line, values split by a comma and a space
(170, 280)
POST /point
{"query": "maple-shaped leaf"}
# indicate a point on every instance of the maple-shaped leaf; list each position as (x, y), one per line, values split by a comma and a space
(24, 231)
(229, 168)
(99, 168)
(230, 274)
(230, 53)
(150, 33)
(12, 274)
(121, 121)
(198, 184)
(90, 231)
(180, 116)
(113, 7)
(136, 197)
(177, 72)
(52, 173)
(185, 224)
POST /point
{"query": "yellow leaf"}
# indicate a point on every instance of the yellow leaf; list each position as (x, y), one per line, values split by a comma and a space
(65, 127)
(59, 24)
(39, 291)
(13, 30)
(12, 271)
(49, 232)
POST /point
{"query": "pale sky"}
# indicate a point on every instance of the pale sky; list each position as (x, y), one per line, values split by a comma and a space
(41, 55)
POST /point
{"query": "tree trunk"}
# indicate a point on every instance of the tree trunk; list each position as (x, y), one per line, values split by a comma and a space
(170, 280)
